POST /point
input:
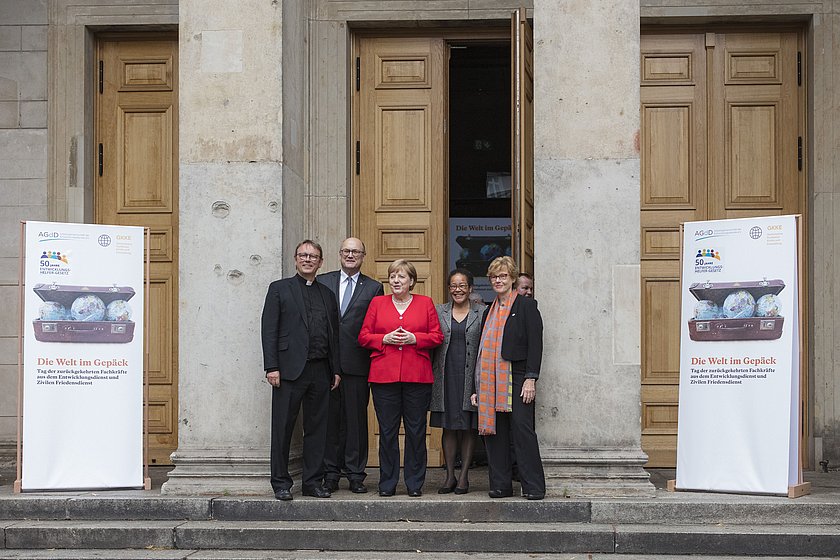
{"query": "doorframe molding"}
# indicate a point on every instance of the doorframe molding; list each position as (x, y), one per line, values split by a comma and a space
(71, 51)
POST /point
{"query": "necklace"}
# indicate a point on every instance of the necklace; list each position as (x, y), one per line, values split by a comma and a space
(401, 304)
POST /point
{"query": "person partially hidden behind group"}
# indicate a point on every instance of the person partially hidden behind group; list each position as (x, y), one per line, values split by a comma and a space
(508, 367)
(400, 329)
(453, 363)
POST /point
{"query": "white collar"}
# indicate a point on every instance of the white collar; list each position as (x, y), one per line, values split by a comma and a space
(345, 276)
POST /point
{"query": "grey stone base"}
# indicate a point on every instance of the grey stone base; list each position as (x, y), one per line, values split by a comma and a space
(240, 472)
(612, 472)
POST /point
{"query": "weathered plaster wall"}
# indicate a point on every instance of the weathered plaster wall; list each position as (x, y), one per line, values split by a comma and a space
(587, 200)
(231, 197)
(23, 172)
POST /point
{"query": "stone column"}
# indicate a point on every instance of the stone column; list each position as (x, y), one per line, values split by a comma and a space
(231, 238)
(586, 160)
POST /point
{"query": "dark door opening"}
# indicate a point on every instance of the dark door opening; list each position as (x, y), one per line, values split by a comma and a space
(479, 158)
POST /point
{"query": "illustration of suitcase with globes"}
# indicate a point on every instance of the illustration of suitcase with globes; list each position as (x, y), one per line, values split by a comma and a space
(84, 314)
(737, 311)
(477, 251)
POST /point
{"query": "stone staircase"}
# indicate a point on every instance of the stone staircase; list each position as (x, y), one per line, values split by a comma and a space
(148, 525)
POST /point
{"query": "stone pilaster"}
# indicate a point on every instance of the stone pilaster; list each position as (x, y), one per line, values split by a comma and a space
(587, 245)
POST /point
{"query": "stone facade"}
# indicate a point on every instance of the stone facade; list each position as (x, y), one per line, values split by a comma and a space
(23, 174)
(264, 129)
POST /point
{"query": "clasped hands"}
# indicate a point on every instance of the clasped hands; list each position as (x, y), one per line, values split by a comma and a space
(528, 393)
(399, 337)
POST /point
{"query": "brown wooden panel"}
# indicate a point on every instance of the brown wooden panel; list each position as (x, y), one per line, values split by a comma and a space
(159, 366)
(752, 155)
(752, 68)
(661, 242)
(659, 418)
(404, 166)
(147, 137)
(146, 75)
(404, 243)
(161, 244)
(668, 157)
(666, 68)
(661, 321)
(403, 72)
(160, 416)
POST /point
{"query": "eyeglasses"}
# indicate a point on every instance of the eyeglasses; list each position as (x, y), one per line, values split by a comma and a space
(462, 287)
(501, 277)
(354, 252)
(308, 257)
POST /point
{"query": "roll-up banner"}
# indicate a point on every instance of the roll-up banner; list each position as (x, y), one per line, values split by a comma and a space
(83, 357)
(738, 427)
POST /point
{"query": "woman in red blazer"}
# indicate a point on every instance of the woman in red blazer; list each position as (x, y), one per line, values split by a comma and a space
(400, 329)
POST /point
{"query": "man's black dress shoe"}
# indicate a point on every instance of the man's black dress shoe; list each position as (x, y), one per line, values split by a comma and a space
(387, 493)
(500, 493)
(283, 494)
(533, 496)
(316, 492)
(331, 485)
(415, 493)
(358, 487)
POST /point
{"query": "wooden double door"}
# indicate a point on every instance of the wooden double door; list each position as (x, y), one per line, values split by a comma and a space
(400, 197)
(722, 128)
(136, 184)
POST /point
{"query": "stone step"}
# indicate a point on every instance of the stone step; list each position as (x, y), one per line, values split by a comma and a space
(474, 507)
(428, 537)
(172, 554)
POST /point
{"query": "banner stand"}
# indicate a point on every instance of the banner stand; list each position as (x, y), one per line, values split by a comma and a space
(802, 488)
(19, 462)
(147, 481)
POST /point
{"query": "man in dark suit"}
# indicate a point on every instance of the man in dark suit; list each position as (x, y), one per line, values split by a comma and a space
(300, 355)
(347, 436)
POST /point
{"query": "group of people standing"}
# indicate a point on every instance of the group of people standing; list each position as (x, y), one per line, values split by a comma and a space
(331, 340)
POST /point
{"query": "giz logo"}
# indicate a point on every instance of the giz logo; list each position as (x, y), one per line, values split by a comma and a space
(123, 238)
(47, 234)
(700, 232)
(775, 228)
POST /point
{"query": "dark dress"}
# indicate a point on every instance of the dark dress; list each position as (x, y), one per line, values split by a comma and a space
(455, 417)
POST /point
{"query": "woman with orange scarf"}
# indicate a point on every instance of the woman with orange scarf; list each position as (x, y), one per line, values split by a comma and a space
(506, 375)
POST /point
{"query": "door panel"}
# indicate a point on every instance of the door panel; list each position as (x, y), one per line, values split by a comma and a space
(522, 164)
(137, 127)
(720, 116)
(400, 195)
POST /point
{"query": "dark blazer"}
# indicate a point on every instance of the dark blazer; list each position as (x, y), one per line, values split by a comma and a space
(522, 342)
(355, 360)
(285, 334)
(473, 335)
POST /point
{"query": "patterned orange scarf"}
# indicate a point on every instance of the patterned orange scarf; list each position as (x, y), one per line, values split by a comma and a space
(493, 377)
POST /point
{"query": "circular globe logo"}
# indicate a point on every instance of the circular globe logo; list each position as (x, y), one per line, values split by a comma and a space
(755, 232)
(105, 240)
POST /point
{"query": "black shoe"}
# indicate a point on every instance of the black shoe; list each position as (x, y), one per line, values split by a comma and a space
(331, 485)
(358, 487)
(317, 492)
(447, 488)
(387, 493)
(500, 493)
(283, 494)
(415, 493)
(464, 490)
(533, 496)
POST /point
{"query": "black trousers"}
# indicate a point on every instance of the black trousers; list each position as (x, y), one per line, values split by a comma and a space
(311, 391)
(347, 431)
(408, 402)
(517, 427)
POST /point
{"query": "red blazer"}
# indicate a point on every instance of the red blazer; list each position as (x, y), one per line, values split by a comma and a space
(410, 363)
